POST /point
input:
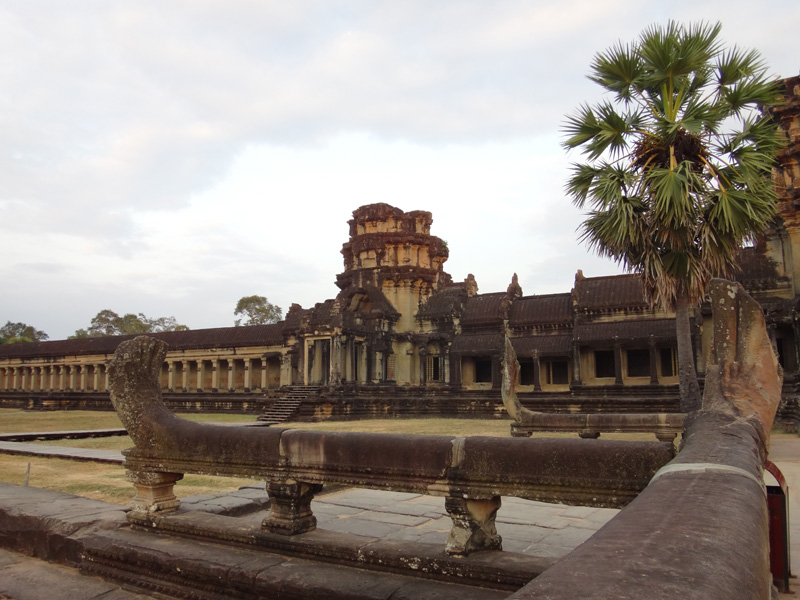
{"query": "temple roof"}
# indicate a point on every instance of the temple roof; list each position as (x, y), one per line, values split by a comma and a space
(221, 337)
(446, 303)
(613, 291)
(483, 309)
(477, 344)
(541, 310)
(559, 345)
(629, 330)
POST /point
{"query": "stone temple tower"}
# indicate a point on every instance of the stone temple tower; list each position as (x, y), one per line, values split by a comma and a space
(393, 251)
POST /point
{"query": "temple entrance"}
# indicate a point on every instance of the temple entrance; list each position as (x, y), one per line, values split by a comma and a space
(319, 361)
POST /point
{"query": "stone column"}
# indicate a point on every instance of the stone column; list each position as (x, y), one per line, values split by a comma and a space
(455, 369)
(473, 525)
(215, 375)
(423, 365)
(264, 373)
(576, 364)
(336, 359)
(105, 378)
(351, 355)
(17, 379)
(247, 375)
(653, 362)
(364, 366)
(305, 366)
(286, 369)
(83, 373)
(201, 376)
(617, 363)
(73, 378)
(171, 375)
(96, 378)
(62, 377)
(186, 373)
(497, 372)
(380, 369)
(290, 507)
(231, 374)
(537, 372)
(446, 365)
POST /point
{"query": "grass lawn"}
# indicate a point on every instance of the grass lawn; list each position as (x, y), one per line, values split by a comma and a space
(108, 483)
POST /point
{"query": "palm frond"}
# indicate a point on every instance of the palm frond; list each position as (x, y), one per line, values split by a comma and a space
(678, 163)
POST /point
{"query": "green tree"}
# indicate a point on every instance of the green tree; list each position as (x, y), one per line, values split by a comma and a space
(677, 165)
(12, 333)
(258, 311)
(107, 322)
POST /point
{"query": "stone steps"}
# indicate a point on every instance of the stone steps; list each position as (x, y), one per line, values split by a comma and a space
(286, 407)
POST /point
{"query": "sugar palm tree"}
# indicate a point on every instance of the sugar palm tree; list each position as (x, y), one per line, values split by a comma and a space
(677, 165)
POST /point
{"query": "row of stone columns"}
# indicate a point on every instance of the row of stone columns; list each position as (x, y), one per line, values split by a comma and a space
(54, 378)
(206, 375)
(177, 375)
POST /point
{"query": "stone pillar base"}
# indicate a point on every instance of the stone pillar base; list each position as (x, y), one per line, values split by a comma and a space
(154, 491)
(290, 507)
(473, 525)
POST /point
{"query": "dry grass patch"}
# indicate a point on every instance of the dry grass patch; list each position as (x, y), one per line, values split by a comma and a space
(101, 481)
(433, 426)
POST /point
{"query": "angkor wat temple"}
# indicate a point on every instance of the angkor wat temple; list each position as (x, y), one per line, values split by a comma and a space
(402, 338)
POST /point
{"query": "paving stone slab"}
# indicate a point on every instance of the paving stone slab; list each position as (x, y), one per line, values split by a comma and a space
(577, 512)
(570, 537)
(392, 518)
(362, 527)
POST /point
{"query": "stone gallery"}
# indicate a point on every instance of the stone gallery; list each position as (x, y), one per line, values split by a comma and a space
(402, 337)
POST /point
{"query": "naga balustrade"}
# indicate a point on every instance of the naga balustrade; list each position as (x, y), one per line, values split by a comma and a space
(471, 473)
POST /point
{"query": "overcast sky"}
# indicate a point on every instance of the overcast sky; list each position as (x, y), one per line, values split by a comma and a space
(169, 157)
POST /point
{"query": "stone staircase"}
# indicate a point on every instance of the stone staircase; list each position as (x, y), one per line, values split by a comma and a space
(287, 406)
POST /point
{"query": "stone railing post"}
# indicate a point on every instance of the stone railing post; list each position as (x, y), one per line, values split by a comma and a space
(473, 525)
(290, 507)
(154, 491)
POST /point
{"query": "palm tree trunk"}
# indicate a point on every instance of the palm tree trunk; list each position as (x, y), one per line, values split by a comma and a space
(687, 374)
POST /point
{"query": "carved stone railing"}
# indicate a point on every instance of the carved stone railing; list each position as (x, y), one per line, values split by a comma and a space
(471, 473)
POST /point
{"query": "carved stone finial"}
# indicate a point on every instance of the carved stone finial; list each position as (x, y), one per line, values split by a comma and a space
(135, 389)
(743, 376)
(508, 388)
(471, 285)
(514, 289)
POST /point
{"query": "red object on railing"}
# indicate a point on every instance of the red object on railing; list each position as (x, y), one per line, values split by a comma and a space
(778, 507)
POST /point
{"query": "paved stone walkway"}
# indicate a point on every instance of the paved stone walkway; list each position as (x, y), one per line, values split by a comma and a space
(44, 451)
(535, 528)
